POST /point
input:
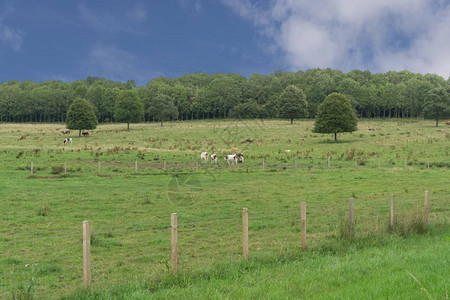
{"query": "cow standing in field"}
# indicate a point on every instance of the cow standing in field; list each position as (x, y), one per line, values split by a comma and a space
(85, 133)
(68, 140)
(204, 157)
(240, 157)
(65, 131)
(214, 158)
(447, 123)
(231, 159)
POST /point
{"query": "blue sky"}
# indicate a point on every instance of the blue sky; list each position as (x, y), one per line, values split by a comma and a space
(140, 40)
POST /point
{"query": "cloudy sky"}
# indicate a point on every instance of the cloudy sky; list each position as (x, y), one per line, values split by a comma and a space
(140, 40)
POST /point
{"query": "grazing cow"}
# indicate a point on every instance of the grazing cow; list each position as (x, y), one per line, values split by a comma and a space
(231, 159)
(68, 140)
(85, 133)
(214, 158)
(65, 131)
(447, 123)
(287, 151)
(23, 137)
(234, 149)
(240, 157)
(204, 156)
(371, 129)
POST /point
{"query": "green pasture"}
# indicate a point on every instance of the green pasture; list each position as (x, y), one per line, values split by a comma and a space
(129, 211)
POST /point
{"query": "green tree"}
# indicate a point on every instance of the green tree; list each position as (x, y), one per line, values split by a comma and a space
(293, 103)
(334, 115)
(81, 116)
(128, 108)
(437, 104)
(163, 109)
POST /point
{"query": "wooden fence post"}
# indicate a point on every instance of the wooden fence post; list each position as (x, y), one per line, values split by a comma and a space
(245, 232)
(425, 217)
(135, 167)
(356, 162)
(196, 166)
(303, 224)
(329, 161)
(392, 211)
(174, 243)
(86, 254)
(31, 168)
(428, 163)
(99, 167)
(350, 214)
(406, 163)
(263, 164)
(165, 169)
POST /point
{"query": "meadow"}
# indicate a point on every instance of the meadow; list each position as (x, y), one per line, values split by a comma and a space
(127, 183)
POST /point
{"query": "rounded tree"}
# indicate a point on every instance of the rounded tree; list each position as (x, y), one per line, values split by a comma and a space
(437, 105)
(293, 103)
(128, 108)
(80, 116)
(334, 115)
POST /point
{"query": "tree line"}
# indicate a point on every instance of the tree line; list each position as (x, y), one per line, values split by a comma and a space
(209, 96)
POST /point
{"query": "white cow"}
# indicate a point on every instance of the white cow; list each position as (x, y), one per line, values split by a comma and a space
(240, 157)
(214, 158)
(204, 156)
(68, 140)
(231, 159)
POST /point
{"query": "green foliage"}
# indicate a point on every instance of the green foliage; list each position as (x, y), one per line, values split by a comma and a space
(437, 105)
(128, 108)
(81, 116)
(335, 115)
(293, 103)
(162, 108)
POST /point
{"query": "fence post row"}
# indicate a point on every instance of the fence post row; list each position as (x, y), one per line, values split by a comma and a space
(174, 243)
(86, 254)
(303, 224)
(350, 214)
(245, 232)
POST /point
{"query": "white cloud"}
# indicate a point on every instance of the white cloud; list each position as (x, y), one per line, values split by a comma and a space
(193, 6)
(9, 37)
(117, 64)
(137, 13)
(111, 23)
(377, 35)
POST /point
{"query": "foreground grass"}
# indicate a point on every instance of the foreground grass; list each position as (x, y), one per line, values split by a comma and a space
(379, 267)
(40, 224)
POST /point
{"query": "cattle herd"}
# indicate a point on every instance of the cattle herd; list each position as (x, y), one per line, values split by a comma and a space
(231, 159)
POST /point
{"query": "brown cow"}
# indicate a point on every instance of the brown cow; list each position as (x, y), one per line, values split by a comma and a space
(447, 123)
(85, 133)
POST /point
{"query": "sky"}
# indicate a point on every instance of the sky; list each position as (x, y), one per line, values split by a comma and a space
(140, 40)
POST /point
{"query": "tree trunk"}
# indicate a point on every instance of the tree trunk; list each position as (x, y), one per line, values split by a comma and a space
(437, 121)
(79, 133)
(162, 123)
(128, 126)
(292, 121)
(335, 136)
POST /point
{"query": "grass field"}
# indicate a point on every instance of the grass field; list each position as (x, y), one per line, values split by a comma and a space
(40, 235)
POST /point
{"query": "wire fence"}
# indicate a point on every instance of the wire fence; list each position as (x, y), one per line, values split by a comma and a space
(51, 262)
(105, 167)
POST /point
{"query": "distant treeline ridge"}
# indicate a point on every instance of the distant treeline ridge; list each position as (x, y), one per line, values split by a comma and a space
(207, 96)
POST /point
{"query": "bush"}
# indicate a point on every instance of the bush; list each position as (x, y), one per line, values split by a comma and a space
(57, 170)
